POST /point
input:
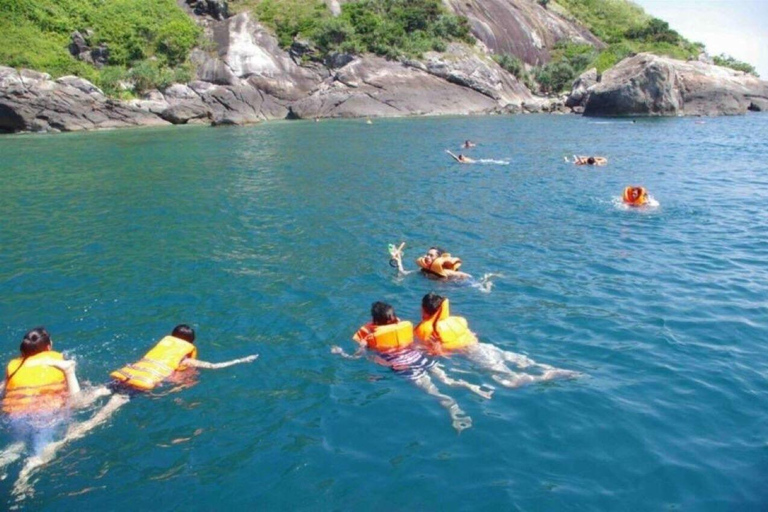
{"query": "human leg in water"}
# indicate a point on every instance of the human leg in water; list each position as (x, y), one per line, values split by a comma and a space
(459, 418)
(443, 377)
(9, 455)
(493, 359)
(22, 488)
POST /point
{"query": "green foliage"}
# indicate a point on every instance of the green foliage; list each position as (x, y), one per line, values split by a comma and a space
(729, 62)
(628, 30)
(607, 19)
(555, 76)
(391, 28)
(511, 64)
(36, 34)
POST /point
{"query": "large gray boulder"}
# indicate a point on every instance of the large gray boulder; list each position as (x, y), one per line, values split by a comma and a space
(247, 52)
(375, 87)
(470, 67)
(649, 85)
(579, 89)
(31, 101)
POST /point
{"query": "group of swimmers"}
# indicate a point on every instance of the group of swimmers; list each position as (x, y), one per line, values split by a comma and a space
(40, 384)
(633, 195)
(414, 353)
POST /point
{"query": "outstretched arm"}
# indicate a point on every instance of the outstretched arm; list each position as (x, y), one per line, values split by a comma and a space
(360, 352)
(216, 366)
(68, 367)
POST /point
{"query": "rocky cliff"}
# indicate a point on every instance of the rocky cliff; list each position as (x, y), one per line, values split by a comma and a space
(246, 77)
(648, 85)
(249, 78)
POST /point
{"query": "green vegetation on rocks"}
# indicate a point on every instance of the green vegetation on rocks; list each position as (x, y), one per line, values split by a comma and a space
(146, 39)
(391, 28)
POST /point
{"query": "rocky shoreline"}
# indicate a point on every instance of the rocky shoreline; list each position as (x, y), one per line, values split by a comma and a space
(249, 79)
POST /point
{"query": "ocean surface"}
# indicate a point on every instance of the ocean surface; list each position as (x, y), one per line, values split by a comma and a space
(272, 239)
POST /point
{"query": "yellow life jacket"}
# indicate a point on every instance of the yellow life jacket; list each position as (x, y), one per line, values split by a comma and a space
(35, 389)
(157, 365)
(386, 338)
(449, 332)
(440, 264)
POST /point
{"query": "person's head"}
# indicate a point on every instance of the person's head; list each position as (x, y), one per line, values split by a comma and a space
(383, 314)
(591, 160)
(430, 303)
(184, 332)
(634, 193)
(35, 341)
(432, 254)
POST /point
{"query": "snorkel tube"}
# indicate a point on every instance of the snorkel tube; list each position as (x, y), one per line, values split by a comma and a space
(394, 252)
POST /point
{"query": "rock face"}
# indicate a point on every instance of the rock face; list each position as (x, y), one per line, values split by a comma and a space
(31, 101)
(250, 79)
(581, 85)
(520, 27)
(658, 86)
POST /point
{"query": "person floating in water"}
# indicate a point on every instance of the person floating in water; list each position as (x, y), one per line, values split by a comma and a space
(172, 354)
(461, 158)
(588, 160)
(635, 196)
(443, 334)
(40, 388)
(468, 144)
(436, 263)
(391, 340)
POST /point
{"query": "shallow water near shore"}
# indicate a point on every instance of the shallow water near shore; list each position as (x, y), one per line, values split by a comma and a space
(273, 239)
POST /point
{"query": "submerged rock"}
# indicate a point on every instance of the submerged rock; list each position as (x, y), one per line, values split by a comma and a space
(659, 86)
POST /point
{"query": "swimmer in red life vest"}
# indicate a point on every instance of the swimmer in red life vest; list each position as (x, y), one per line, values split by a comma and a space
(391, 339)
(444, 334)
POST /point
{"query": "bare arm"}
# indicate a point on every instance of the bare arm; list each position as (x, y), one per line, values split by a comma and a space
(360, 352)
(456, 274)
(216, 366)
(68, 367)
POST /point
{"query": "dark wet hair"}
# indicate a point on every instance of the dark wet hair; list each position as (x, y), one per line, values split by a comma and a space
(430, 303)
(35, 341)
(591, 160)
(438, 249)
(184, 332)
(383, 313)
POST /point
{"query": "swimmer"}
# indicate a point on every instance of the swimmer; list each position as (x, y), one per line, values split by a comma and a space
(468, 144)
(172, 354)
(436, 263)
(391, 340)
(461, 158)
(635, 196)
(443, 335)
(589, 160)
(39, 389)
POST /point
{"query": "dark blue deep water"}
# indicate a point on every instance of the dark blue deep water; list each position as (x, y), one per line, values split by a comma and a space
(272, 239)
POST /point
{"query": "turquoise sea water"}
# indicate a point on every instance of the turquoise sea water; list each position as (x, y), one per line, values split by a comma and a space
(272, 239)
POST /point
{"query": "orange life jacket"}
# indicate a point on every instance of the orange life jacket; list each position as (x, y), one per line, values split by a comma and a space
(639, 200)
(157, 365)
(440, 264)
(441, 330)
(34, 389)
(386, 338)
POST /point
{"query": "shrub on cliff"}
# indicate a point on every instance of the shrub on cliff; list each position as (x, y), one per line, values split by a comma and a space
(729, 62)
(36, 34)
(385, 27)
